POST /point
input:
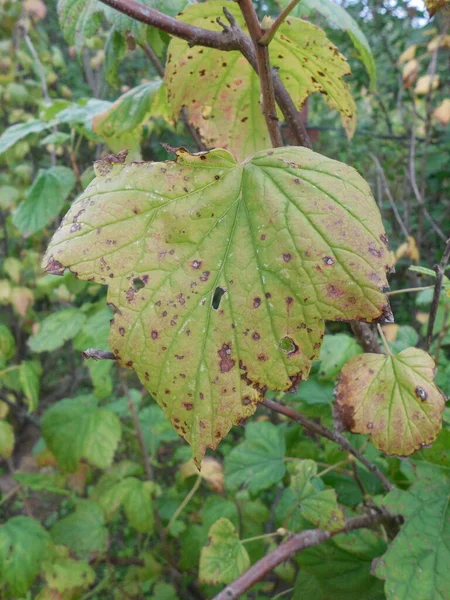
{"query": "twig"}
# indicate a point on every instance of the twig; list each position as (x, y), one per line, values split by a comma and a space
(412, 289)
(98, 354)
(264, 72)
(300, 541)
(384, 340)
(270, 33)
(440, 270)
(366, 336)
(443, 332)
(334, 436)
(187, 499)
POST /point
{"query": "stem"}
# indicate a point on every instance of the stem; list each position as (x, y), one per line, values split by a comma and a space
(270, 33)
(264, 72)
(384, 340)
(366, 336)
(140, 436)
(180, 509)
(413, 289)
(300, 541)
(334, 436)
(440, 270)
(261, 537)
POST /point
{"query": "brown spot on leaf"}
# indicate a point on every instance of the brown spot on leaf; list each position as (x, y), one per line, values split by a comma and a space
(188, 405)
(421, 393)
(226, 363)
(287, 257)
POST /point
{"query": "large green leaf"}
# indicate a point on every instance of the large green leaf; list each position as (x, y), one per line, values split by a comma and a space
(289, 237)
(225, 104)
(24, 545)
(415, 565)
(56, 330)
(258, 461)
(18, 132)
(392, 398)
(338, 17)
(44, 200)
(224, 558)
(76, 428)
(336, 350)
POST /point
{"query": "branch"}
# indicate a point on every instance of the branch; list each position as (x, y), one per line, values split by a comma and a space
(98, 354)
(300, 541)
(334, 436)
(264, 72)
(366, 335)
(270, 33)
(440, 269)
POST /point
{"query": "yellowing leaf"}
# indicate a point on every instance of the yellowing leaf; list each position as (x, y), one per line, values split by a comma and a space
(392, 398)
(222, 274)
(390, 331)
(425, 84)
(408, 54)
(306, 60)
(21, 299)
(211, 471)
(408, 249)
(442, 112)
(435, 5)
(410, 72)
(440, 41)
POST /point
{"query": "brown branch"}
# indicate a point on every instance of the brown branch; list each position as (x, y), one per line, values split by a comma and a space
(298, 542)
(270, 33)
(334, 436)
(264, 72)
(231, 38)
(367, 336)
(440, 271)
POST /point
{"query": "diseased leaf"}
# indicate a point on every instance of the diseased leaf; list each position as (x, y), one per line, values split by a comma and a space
(225, 557)
(338, 17)
(56, 330)
(76, 428)
(44, 200)
(392, 398)
(24, 545)
(225, 106)
(64, 574)
(415, 565)
(222, 274)
(258, 461)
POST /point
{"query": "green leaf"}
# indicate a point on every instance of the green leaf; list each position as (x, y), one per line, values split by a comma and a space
(44, 200)
(6, 439)
(313, 392)
(84, 531)
(336, 350)
(18, 132)
(225, 105)
(156, 428)
(406, 337)
(225, 557)
(392, 398)
(24, 545)
(30, 382)
(48, 482)
(115, 50)
(258, 461)
(76, 428)
(338, 17)
(64, 574)
(79, 20)
(56, 330)
(7, 343)
(340, 569)
(166, 236)
(415, 565)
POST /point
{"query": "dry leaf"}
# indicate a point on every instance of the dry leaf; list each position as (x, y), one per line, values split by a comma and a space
(409, 250)
(442, 112)
(390, 331)
(426, 83)
(408, 54)
(211, 471)
(410, 72)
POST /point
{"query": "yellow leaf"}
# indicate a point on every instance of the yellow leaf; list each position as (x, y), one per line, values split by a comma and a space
(426, 83)
(21, 299)
(407, 54)
(390, 331)
(410, 72)
(211, 471)
(440, 41)
(408, 249)
(442, 112)
(422, 317)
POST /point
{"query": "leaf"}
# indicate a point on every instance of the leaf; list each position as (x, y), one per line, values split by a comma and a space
(56, 330)
(258, 461)
(338, 17)
(336, 350)
(48, 482)
(6, 439)
(435, 5)
(64, 574)
(44, 200)
(7, 343)
(18, 132)
(211, 471)
(83, 531)
(340, 569)
(442, 112)
(225, 557)
(225, 106)
(30, 382)
(291, 237)
(156, 428)
(426, 84)
(392, 398)
(115, 50)
(24, 545)
(410, 72)
(79, 20)
(76, 428)
(407, 54)
(21, 299)
(415, 565)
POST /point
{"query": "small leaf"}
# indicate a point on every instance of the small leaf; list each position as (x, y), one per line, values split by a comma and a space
(64, 574)
(83, 531)
(281, 235)
(48, 482)
(225, 557)
(410, 72)
(76, 428)
(18, 132)
(392, 398)
(7, 343)
(425, 84)
(115, 50)
(442, 112)
(6, 439)
(56, 330)
(407, 54)
(30, 382)
(211, 471)
(24, 545)
(79, 20)
(415, 565)
(258, 461)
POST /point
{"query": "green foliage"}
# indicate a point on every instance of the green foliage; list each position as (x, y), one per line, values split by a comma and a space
(56, 330)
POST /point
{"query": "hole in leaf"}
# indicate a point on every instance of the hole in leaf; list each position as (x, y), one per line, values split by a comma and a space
(138, 284)
(288, 345)
(218, 293)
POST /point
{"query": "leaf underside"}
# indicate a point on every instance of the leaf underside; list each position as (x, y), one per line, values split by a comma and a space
(392, 398)
(221, 275)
